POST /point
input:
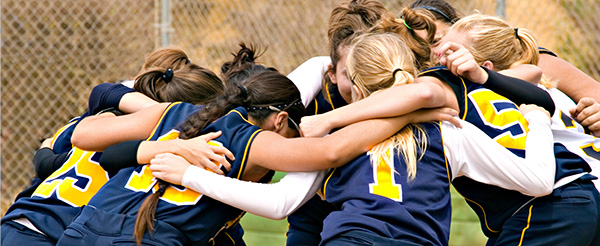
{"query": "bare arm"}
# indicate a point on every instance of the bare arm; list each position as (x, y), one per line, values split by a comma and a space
(572, 81)
(135, 101)
(428, 92)
(272, 151)
(95, 133)
(527, 72)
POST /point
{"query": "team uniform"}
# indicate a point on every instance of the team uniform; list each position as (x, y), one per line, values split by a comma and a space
(328, 99)
(509, 217)
(46, 208)
(376, 199)
(183, 217)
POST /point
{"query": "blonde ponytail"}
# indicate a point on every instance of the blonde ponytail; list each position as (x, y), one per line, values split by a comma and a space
(376, 62)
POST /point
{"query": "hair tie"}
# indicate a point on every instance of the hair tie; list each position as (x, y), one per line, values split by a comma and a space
(410, 28)
(244, 91)
(395, 71)
(516, 32)
(161, 189)
(168, 75)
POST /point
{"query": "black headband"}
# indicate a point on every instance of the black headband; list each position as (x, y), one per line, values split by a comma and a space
(436, 10)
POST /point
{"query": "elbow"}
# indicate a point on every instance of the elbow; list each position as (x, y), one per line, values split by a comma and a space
(80, 139)
(431, 95)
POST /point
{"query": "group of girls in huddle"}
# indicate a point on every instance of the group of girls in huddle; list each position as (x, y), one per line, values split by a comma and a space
(371, 152)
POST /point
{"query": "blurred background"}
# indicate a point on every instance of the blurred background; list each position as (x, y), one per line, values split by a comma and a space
(53, 53)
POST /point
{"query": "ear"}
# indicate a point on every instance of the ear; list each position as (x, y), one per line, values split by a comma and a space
(356, 94)
(331, 76)
(488, 64)
(281, 121)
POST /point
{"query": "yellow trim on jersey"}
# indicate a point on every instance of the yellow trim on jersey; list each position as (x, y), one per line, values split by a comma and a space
(465, 95)
(317, 106)
(445, 158)
(60, 131)
(161, 119)
(325, 183)
(238, 112)
(482, 210)
(527, 227)
(246, 152)
(432, 70)
(328, 96)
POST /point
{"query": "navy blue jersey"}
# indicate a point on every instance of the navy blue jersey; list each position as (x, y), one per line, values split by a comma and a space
(328, 99)
(500, 119)
(381, 200)
(199, 218)
(59, 198)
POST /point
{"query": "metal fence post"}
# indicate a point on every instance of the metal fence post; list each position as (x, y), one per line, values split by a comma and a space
(501, 8)
(165, 23)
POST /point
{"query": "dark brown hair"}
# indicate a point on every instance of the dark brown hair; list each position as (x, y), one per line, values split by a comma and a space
(236, 71)
(260, 90)
(440, 9)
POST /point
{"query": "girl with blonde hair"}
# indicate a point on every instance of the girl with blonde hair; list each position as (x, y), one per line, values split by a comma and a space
(496, 45)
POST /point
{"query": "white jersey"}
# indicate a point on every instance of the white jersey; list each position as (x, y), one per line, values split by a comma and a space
(572, 135)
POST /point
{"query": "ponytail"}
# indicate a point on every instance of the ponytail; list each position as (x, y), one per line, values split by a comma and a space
(146, 214)
(233, 98)
(377, 62)
(190, 83)
(413, 20)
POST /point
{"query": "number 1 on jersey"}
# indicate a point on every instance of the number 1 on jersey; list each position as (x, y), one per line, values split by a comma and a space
(385, 183)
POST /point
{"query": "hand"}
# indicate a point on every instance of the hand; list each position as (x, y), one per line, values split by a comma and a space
(169, 167)
(587, 113)
(315, 125)
(200, 152)
(435, 114)
(461, 62)
(526, 108)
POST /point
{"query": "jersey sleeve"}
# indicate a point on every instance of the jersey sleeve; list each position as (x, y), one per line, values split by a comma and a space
(274, 201)
(472, 153)
(106, 95)
(308, 77)
(518, 91)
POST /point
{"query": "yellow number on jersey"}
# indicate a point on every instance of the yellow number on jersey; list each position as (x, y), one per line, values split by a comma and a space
(385, 184)
(143, 181)
(500, 113)
(87, 172)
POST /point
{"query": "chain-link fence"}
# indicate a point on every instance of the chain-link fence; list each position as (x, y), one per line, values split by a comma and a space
(54, 52)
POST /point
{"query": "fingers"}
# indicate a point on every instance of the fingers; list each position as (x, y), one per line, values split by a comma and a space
(207, 163)
(210, 136)
(222, 151)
